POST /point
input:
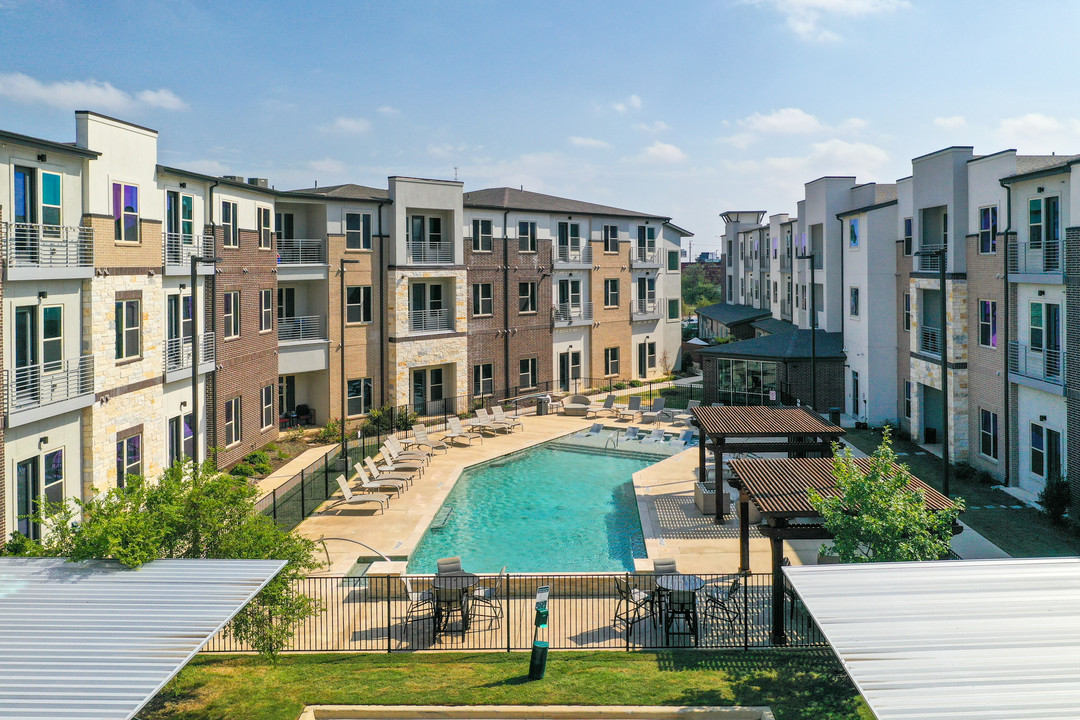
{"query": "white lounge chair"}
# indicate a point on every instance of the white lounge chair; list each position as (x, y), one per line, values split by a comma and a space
(400, 451)
(652, 415)
(350, 498)
(633, 407)
(664, 566)
(365, 482)
(656, 436)
(596, 429)
(422, 439)
(499, 415)
(392, 463)
(632, 433)
(483, 422)
(378, 474)
(576, 405)
(455, 431)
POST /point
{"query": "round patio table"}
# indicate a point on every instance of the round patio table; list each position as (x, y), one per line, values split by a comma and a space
(454, 581)
(685, 583)
(459, 580)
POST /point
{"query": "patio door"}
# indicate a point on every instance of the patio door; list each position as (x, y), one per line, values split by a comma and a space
(855, 393)
(569, 240)
(427, 391)
(570, 293)
(642, 360)
(1053, 340)
(27, 373)
(646, 292)
(569, 369)
(181, 436)
(646, 242)
(27, 494)
(286, 394)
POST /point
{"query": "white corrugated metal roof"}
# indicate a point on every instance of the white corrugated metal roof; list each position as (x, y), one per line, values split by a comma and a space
(97, 640)
(982, 639)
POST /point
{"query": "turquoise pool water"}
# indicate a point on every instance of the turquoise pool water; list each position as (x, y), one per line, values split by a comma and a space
(545, 509)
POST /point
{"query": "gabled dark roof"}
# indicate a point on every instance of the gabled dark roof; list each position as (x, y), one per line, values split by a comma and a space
(773, 326)
(505, 198)
(794, 345)
(729, 314)
(348, 191)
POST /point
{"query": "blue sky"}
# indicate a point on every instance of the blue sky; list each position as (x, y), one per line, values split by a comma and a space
(684, 108)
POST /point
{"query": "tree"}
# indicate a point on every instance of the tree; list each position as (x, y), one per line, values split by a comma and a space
(877, 517)
(697, 289)
(204, 514)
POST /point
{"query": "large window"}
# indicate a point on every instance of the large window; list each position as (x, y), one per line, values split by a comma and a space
(988, 434)
(526, 297)
(125, 201)
(673, 309)
(1045, 451)
(907, 398)
(527, 373)
(128, 458)
(483, 379)
(358, 304)
(988, 229)
(262, 214)
(481, 235)
(232, 422)
(853, 233)
(1035, 326)
(611, 361)
(229, 227)
(128, 329)
(267, 406)
(482, 303)
(50, 200)
(526, 236)
(266, 310)
(611, 292)
(907, 312)
(747, 382)
(231, 314)
(673, 260)
(52, 338)
(357, 231)
(611, 238)
(988, 323)
(358, 399)
(1043, 221)
(907, 236)
(854, 296)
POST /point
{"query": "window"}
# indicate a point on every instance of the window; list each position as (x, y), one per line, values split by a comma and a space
(434, 230)
(232, 421)
(483, 379)
(526, 297)
(611, 292)
(286, 393)
(263, 216)
(125, 212)
(266, 310)
(611, 361)
(650, 354)
(481, 299)
(988, 434)
(358, 396)
(52, 338)
(358, 304)
(1042, 221)
(673, 309)
(775, 291)
(907, 398)
(267, 406)
(128, 329)
(988, 323)
(128, 458)
(1035, 329)
(907, 236)
(527, 373)
(54, 476)
(988, 229)
(945, 228)
(1038, 450)
(673, 261)
(907, 312)
(231, 315)
(803, 289)
(611, 238)
(854, 294)
(853, 233)
(481, 235)
(357, 231)
(50, 200)
(526, 236)
(230, 229)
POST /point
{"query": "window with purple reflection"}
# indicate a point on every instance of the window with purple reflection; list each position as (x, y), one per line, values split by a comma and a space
(988, 323)
(126, 212)
(128, 459)
(54, 476)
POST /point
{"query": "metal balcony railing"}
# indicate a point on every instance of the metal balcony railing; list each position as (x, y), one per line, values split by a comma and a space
(644, 256)
(180, 248)
(301, 251)
(645, 308)
(430, 320)
(1035, 258)
(296, 329)
(930, 340)
(441, 253)
(580, 255)
(1046, 365)
(48, 246)
(785, 262)
(35, 386)
(178, 351)
(930, 263)
(570, 312)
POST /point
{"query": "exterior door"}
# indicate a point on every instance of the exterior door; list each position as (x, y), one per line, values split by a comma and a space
(569, 240)
(1053, 340)
(569, 369)
(286, 302)
(855, 393)
(643, 359)
(28, 492)
(286, 394)
(283, 225)
(419, 391)
(27, 371)
(646, 242)
(180, 438)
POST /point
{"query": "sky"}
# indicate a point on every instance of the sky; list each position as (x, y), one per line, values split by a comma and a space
(684, 109)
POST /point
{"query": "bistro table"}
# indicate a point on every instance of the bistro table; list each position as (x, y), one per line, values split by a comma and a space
(687, 611)
(685, 583)
(452, 593)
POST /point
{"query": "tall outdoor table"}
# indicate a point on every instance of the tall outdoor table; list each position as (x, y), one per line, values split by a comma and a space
(458, 584)
(685, 584)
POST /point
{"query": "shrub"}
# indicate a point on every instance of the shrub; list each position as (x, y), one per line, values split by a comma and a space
(329, 433)
(636, 383)
(281, 455)
(1055, 498)
(259, 460)
(387, 419)
(242, 469)
(270, 447)
(619, 386)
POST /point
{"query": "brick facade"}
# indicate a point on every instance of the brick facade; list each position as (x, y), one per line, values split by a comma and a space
(1072, 369)
(794, 378)
(986, 365)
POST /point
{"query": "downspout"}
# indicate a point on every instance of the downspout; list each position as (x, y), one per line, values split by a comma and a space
(383, 345)
(506, 302)
(211, 287)
(1005, 334)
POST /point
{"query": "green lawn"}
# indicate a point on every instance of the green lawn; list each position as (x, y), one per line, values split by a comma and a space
(1020, 533)
(797, 684)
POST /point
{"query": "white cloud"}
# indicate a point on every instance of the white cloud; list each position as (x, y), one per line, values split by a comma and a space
(349, 125)
(588, 142)
(387, 110)
(327, 165)
(741, 140)
(663, 153)
(953, 122)
(207, 167)
(85, 95)
(655, 127)
(805, 17)
(785, 120)
(1038, 133)
(448, 150)
(631, 103)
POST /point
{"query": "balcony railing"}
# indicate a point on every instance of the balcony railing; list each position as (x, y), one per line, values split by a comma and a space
(785, 262)
(180, 248)
(930, 340)
(441, 253)
(430, 320)
(644, 256)
(35, 386)
(645, 308)
(297, 329)
(930, 263)
(48, 246)
(301, 251)
(570, 312)
(1035, 258)
(1046, 365)
(581, 255)
(178, 351)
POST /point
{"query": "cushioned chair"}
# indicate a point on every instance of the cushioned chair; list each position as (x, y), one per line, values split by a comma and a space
(577, 405)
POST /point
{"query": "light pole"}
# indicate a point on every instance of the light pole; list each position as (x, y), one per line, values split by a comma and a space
(940, 253)
(196, 260)
(344, 309)
(812, 257)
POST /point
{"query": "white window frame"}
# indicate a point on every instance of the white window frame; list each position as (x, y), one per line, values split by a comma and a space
(267, 407)
(988, 237)
(853, 301)
(230, 316)
(364, 306)
(122, 330)
(266, 310)
(357, 238)
(907, 312)
(126, 465)
(530, 244)
(990, 324)
(611, 291)
(611, 361)
(479, 235)
(853, 233)
(990, 433)
(611, 239)
(907, 399)
(231, 229)
(263, 215)
(233, 427)
(527, 371)
(532, 298)
(908, 247)
(479, 300)
(118, 233)
(366, 389)
(483, 379)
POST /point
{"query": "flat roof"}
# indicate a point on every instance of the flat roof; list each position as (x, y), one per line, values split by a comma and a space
(971, 639)
(98, 640)
(762, 421)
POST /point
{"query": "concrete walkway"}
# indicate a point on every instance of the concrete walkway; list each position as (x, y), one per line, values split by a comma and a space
(290, 470)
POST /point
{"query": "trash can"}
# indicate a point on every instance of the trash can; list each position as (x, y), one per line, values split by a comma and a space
(542, 403)
(834, 415)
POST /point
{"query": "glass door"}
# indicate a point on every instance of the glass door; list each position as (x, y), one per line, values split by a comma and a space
(646, 242)
(564, 371)
(1053, 340)
(419, 391)
(643, 359)
(855, 393)
(27, 493)
(27, 380)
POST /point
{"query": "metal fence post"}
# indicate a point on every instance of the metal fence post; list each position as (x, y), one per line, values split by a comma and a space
(303, 505)
(274, 505)
(389, 623)
(746, 612)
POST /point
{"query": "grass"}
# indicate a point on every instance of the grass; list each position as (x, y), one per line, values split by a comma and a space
(797, 684)
(1021, 533)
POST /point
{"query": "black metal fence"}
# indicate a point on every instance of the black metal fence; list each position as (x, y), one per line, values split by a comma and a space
(587, 611)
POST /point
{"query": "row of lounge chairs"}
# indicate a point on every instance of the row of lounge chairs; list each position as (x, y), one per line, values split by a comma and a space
(633, 433)
(633, 408)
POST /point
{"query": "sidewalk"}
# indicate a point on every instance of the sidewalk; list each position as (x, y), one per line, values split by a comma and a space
(290, 470)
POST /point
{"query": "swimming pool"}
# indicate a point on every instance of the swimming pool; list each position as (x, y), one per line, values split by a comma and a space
(552, 508)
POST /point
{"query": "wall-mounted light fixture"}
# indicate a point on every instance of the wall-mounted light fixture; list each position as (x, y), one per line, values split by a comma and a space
(42, 441)
(41, 157)
(42, 294)
(183, 184)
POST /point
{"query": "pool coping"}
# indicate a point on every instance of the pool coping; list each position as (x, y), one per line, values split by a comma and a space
(540, 712)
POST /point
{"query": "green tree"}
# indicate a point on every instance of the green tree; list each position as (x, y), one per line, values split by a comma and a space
(204, 514)
(877, 517)
(697, 290)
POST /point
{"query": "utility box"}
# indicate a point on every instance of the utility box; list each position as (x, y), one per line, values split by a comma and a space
(542, 404)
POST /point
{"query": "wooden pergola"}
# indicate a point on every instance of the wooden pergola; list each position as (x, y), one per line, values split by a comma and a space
(778, 488)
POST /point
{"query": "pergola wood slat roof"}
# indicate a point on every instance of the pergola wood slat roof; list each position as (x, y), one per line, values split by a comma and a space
(762, 421)
(778, 486)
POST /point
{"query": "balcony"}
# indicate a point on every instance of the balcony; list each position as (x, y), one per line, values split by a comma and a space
(644, 257)
(646, 309)
(180, 248)
(930, 341)
(785, 263)
(40, 252)
(1042, 258)
(306, 328)
(930, 263)
(1044, 365)
(39, 391)
(301, 251)
(178, 352)
(565, 257)
(431, 320)
(423, 253)
(573, 313)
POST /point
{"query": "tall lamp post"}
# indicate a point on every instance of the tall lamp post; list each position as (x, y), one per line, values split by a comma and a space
(940, 254)
(812, 257)
(196, 260)
(344, 384)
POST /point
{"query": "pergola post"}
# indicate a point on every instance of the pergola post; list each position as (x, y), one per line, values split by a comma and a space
(718, 486)
(744, 529)
(779, 631)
